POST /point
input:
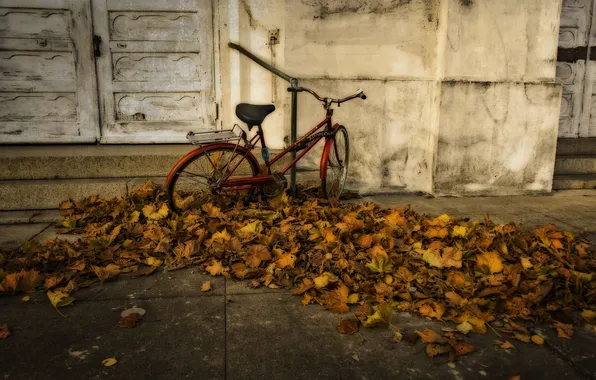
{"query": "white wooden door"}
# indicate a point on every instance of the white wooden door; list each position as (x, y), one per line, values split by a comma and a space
(155, 71)
(576, 69)
(47, 75)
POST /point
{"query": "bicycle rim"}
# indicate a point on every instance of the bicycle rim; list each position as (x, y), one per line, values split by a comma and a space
(337, 164)
(195, 183)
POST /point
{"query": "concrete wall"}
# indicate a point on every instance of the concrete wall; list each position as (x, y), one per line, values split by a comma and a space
(461, 94)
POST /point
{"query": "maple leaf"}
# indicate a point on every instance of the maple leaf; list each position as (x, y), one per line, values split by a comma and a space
(490, 261)
(256, 254)
(348, 326)
(11, 282)
(206, 286)
(215, 269)
(285, 260)
(380, 264)
(151, 212)
(59, 299)
(381, 316)
(337, 299)
(4, 331)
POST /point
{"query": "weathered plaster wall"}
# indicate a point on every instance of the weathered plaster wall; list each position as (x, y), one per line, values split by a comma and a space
(496, 138)
(497, 134)
(414, 59)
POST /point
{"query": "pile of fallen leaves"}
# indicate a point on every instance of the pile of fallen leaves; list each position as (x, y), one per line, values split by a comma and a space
(343, 256)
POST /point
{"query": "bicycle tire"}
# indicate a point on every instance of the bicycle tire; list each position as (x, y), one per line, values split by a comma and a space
(248, 167)
(332, 185)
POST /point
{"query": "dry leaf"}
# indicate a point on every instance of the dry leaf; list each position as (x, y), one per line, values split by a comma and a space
(206, 286)
(109, 362)
(129, 321)
(348, 326)
(4, 331)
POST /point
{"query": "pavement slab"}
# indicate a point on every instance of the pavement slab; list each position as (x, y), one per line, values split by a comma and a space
(13, 235)
(274, 337)
(178, 338)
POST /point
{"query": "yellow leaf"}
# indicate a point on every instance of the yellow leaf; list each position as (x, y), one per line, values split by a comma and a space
(459, 231)
(221, 236)
(537, 339)
(589, 315)
(382, 316)
(215, 269)
(353, 298)
(395, 218)
(490, 261)
(252, 228)
(213, 211)
(285, 260)
(59, 299)
(380, 264)
(134, 217)
(109, 362)
(206, 286)
(321, 282)
(53, 281)
(526, 263)
(464, 327)
(152, 261)
(25, 299)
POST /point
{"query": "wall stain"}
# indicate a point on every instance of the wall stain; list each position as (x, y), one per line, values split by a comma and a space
(327, 8)
(251, 20)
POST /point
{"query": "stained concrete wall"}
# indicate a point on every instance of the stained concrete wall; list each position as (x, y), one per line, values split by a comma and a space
(424, 126)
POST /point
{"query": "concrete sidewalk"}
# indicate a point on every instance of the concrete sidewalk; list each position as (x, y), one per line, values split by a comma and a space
(235, 332)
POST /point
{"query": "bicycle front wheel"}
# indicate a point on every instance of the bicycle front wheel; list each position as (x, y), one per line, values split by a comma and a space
(336, 170)
(195, 178)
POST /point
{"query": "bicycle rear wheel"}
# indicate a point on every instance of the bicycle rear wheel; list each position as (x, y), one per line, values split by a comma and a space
(193, 181)
(338, 160)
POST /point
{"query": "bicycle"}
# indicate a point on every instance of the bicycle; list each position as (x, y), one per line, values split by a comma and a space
(224, 162)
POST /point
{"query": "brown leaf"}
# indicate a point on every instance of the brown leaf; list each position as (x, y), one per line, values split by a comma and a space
(215, 269)
(4, 331)
(564, 331)
(537, 339)
(490, 261)
(348, 326)
(504, 345)
(129, 321)
(430, 336)
(206, 286)
(463, 348)
(434, 349)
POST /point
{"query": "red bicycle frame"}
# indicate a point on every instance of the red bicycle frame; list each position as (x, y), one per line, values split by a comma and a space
(254, 181)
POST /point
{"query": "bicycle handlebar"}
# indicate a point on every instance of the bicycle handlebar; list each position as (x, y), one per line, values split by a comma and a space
(359, 94)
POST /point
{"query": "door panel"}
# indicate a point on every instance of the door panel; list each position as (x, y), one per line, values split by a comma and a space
(47, 75)
(156, 69)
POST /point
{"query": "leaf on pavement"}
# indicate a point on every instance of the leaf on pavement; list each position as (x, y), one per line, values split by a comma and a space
(4, 331)
(206, 286)
(109, 362)
(348, 326)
